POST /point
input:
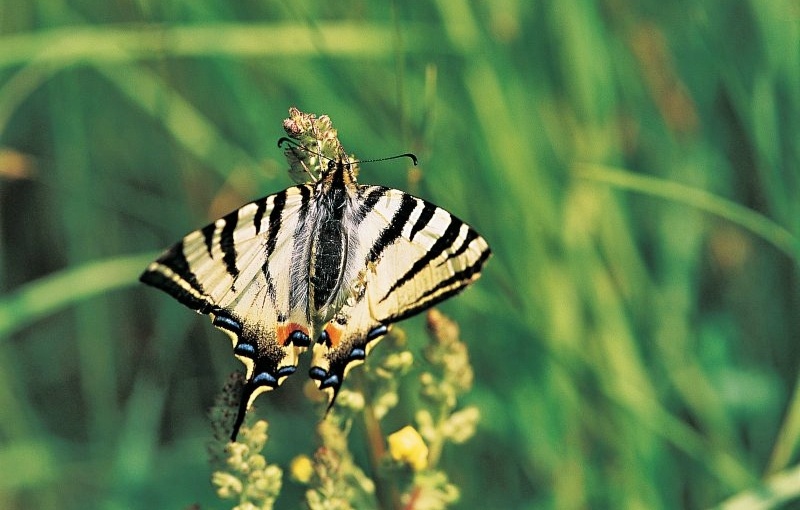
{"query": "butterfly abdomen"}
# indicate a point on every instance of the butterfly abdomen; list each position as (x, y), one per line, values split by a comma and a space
(327, 263)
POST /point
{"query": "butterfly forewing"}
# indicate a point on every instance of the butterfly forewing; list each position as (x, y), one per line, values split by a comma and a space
(435, 256)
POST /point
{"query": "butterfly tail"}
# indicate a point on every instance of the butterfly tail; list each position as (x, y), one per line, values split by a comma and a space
(329, 382)
(244, 404)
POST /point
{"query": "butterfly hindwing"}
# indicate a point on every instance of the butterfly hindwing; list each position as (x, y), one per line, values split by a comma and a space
(343, 344)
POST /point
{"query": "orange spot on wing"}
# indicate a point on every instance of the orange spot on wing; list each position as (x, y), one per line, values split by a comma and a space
(286, 329)
(334, 335)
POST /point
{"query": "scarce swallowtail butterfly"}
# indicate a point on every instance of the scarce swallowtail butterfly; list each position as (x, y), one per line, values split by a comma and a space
(328, 265)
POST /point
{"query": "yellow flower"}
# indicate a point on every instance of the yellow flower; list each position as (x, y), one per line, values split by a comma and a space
(406, 445)
(301, 468)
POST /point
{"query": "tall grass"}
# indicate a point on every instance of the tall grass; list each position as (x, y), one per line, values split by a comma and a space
(633, 166)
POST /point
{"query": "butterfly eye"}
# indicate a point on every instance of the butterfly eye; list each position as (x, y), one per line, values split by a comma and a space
(331, 165)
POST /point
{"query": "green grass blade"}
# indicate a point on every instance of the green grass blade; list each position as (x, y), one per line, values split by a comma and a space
(748, 219)
(57, 291)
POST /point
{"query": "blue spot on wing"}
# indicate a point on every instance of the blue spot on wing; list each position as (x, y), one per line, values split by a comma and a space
(265, 378)
(228, 323)
(245, 349)
(317, 373)
(376, 332)
(287, 370)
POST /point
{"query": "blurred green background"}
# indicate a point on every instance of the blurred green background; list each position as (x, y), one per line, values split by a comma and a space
(634, 166)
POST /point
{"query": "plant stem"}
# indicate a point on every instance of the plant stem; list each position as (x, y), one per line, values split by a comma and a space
(385, 491)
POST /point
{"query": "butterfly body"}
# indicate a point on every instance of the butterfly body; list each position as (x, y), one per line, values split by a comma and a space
(327, 266)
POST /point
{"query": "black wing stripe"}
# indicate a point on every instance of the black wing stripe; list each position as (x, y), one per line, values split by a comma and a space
(471, 236)
(175, 259)
(443, 243)
(171, 273)
(423, 305)
(454, 285)
(460, 278)
(261, 208)
(395, 227)
(372, 198)
(160, 280)
(425, 216)
(227, 244)
(275, 223)
(305, 193)
(278, 203)
(300, 230)
(208, 237)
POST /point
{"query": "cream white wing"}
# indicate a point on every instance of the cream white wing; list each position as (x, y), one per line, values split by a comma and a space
(415, 253)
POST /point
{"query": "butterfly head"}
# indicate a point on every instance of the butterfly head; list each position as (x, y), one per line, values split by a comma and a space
(317, 161)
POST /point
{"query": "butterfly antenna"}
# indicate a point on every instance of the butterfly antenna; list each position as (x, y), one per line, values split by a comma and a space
(284, 140)
(408, 155)
(294, 144)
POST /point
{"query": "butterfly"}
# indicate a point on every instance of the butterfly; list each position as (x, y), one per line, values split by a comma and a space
(328, 265)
